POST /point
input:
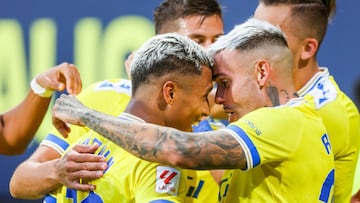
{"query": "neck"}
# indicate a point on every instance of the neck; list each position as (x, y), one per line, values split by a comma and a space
(144, 111)
(305, 71)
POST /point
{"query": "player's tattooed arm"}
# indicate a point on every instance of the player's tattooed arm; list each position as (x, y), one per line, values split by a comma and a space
(210, 150)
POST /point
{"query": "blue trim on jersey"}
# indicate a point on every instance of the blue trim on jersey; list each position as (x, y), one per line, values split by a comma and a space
(315, 84)
(326, 187)
(161, 201)
(49, 199)
(202, 126)
(198, 189)
(54, 139)
(252, 148)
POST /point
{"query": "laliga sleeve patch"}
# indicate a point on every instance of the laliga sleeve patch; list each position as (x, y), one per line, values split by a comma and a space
(167, 180)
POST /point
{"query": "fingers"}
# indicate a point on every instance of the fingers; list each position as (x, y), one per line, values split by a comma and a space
(66, 110)
(86, 148)
(81, 187)
(61, 126)
(60, 77)
(72, 78)
(79, 180)
(79, 166)
(82, 159)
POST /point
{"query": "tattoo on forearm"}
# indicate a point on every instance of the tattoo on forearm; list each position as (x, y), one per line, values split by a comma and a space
(160, 144)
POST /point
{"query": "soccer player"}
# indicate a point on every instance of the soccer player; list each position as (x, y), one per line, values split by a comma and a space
(201, 21)
(271, 129)
(31, 111)
(305, 23)
(171, 79)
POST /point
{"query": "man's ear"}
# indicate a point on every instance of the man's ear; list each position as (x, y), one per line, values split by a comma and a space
(309, 49)
(166, 95)
(262, 71)
(168, 90)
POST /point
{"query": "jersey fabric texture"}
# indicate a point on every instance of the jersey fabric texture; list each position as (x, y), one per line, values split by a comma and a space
(288, 153)
(341, 119)
(109, 96)
(112, 97)
(127, 178)
(201, 187)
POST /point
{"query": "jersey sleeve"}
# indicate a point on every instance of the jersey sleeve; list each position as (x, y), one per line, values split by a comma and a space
(262, 140)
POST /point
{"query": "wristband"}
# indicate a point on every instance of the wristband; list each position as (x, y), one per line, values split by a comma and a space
(39, 90)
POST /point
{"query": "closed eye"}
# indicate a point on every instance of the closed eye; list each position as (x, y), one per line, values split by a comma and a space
(223, 83)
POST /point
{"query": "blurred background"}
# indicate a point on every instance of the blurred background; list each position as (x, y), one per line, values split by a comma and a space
(98, 35)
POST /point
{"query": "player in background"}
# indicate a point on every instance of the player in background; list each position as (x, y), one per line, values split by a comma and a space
(201, 21)
(304, 24)
(269, 135)
(31, 111)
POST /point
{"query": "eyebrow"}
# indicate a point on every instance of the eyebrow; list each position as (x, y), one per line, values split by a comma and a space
(215, 76)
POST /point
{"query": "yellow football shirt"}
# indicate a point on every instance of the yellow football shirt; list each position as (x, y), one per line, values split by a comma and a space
(112, 97)
(341, 119)
(127, 178)
(108, 96)
(288, 153)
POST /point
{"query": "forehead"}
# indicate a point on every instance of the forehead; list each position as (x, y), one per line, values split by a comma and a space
(206, 74)
(275, 15)
(226, 63)
(210, 26)
(201, 84)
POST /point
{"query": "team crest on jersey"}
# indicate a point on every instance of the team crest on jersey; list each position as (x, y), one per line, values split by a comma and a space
(324, 92)
(167, 180)
(121, 86)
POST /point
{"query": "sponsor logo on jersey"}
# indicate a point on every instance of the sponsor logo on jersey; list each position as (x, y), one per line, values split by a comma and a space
(167, 180)
(323, 92)
(121, 86)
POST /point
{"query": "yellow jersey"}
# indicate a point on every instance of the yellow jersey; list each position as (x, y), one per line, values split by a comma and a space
(112, 97)
(288, 153)
(127, 179)
(108, 96)
(341, 119)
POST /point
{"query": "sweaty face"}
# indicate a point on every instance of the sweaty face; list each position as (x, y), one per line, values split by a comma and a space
(237, 88)
(190, 100)
(203, 31)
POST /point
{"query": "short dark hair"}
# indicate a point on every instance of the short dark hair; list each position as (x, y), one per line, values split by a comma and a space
(166, 54)
(170, 10)
(329, 4)
(312, 15)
